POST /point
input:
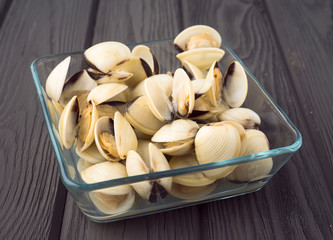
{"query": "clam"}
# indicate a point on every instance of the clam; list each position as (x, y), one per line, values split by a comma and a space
(187, 192)
(56, 79)
(82, 165)
(201, 57)
(163, 80)
(105, 171)
(193, 179)
(192, 71)
(235, 85)
(217, 142)
(78, 84)
(91, 154)
(255, 170)
(139, 115)
(139, 68)
(114, 138)
(245, 116)
(144, 53)
(104, 58)
(214, 94)
(106, 110)
(149, 189)
(86, 126)
(203, 86)
(113, 199)
(177, 137)
(109, 92)
(182, 94)
(197, 36)
(158, 101)
(68, 122)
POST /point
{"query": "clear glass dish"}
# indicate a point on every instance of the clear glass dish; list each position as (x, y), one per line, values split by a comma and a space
(283, 136)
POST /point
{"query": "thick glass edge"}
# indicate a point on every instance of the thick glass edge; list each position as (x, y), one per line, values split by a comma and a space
(72, 185)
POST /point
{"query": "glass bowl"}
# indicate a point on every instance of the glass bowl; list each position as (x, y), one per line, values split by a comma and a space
(283, 136)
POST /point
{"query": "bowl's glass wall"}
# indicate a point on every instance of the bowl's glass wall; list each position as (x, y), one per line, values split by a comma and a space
(284, 140)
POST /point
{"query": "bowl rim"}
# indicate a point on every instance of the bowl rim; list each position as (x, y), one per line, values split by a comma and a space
(76, 186)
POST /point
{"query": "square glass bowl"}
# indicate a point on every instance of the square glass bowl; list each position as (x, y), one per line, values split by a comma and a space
(283, 136)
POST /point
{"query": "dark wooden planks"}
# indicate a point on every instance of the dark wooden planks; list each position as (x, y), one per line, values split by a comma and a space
(130, 22)
(31, 196)
(306, 39)
(296, 204)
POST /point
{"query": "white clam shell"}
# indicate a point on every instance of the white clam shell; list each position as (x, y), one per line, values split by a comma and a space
(184, 37)
(245, 116)
(144, 53)
(192, 71)
(91, 154)
(256, 142)
(193, 179)
(139, 115)
(68, 121)
(235, 85)
(105, 171)
(55, 80)
(109, 92)
(105, 56)
(191, 193)
(201, 57)
(217, 142)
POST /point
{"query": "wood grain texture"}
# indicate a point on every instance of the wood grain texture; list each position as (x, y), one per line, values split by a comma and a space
(31, 198)
(306, 39)
(296, 204)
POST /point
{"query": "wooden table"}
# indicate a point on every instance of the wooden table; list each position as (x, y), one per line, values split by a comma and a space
(288, 45)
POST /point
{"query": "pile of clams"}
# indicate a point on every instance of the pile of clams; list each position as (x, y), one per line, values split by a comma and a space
(124, 117)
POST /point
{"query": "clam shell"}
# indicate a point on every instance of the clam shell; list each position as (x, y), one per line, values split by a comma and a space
(139, 115)
(217, 142)
(158, 101)
(201, 57)
(68, 122)
(112, 204)
(235, 85)
(87, 126)
(182, 94)
(193, 179)
(55, 81)
(91, 154)
(106, 56)
(109, 92)
(139, 68)
(245, 116)
(256, 142)
(178, 148)
(163, 80)
(186, 192)
(192, 71)
(105, 171)
(179, 129)
(144, 53)
(185, 36)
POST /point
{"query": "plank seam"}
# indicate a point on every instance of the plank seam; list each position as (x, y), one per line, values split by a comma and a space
(4, 11)
(91, 24)
(318, 151)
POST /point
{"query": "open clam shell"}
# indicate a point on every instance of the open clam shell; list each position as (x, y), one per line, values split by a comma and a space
(107, 171)
(114, 138)
(68, 122)
(187, 192)
(235, 85)
(109, 92)
(136, 166)
(158, 101)
(106, 56)
(197, 36)
(256, 142)
(143, 52)
(182, 94)
(245, 116)
(56, 79)
(194, 179)
(201, 57)
(192, 71)
(77, 84)
(139, 115)
(91, 154)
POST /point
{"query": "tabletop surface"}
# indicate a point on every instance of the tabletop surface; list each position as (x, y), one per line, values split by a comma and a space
(288, 45)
